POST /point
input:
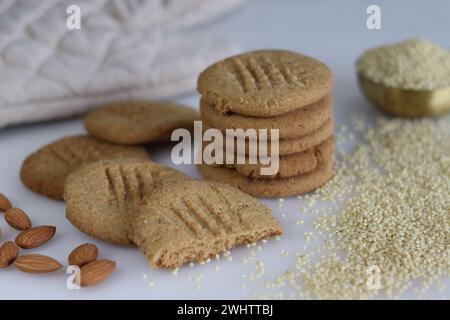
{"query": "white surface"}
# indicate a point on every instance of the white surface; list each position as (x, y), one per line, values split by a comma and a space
(333, 31)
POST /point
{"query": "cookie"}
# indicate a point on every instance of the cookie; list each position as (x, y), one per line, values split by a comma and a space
(282, 187)
(265, 83)
(294, 145)
(45, 171)
(290, 165)
(136, 122)
(102, 197)
(290, 125)
(204, 219)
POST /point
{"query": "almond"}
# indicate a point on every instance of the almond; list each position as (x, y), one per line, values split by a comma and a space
(17, 219)
(96, 272)
(36, 263)
(8, 253)
(5, 204)
(83, 254)
(35, 237)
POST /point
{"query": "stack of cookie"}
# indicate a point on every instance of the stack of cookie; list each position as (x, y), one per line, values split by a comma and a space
(272, 89)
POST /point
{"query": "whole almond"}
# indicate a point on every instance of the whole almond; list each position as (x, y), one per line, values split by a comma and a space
(35, 237)
(5, 204)
(36, 263)
(17, 219)
(8, 253)
(96, 272)
(83, 254)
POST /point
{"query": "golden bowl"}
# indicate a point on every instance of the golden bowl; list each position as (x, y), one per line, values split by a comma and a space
(406, 103)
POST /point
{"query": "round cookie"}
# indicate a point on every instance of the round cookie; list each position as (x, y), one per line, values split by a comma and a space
(294, 145)
(290, 165)
(282, 187)
(139, 122)
(265, 83)
(292, 124)
(300, 144)
(191, 221)
(102, 197)
(45, 170)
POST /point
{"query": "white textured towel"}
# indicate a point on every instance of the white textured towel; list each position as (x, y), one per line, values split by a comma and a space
(126, 49)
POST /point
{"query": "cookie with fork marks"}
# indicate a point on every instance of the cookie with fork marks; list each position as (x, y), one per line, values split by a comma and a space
(193, 220)
(45, 170)
(102, 197)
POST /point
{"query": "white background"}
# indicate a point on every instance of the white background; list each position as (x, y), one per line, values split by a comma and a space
(334, 32)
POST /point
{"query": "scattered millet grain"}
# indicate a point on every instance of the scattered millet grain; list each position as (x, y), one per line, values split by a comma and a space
(397, 221)
(284, 252)
(260, 270)
(414, 64)
(389, 223)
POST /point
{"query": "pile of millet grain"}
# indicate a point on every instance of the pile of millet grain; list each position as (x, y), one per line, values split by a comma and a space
(414, 64)
(389, 220)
